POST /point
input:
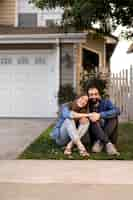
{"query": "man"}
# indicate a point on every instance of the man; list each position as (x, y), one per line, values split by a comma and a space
(103, 123)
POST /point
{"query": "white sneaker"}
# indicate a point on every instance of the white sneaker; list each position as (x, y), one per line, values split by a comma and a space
(111, 149)
(97, 147)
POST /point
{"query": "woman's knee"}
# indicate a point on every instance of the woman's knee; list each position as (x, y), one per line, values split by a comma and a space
(68, 121)
(83, 121)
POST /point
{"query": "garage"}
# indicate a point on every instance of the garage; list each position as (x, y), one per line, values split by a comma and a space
(34, 63)
(28, 83)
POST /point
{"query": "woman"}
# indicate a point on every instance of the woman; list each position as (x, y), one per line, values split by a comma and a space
(65, 132)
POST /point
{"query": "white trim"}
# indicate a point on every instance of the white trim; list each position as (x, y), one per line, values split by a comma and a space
(16, 14)
(50, 35)
(93, 50)
(29, 51)
(111, 40)
(43, 38)
(38, 41)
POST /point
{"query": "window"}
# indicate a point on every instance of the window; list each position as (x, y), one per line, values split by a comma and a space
(5, 61)
(50, 22)
(23, 60)
(40, 60)
(27, 20)
(90, 60)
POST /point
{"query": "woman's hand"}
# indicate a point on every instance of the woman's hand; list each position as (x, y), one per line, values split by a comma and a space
(94, 117)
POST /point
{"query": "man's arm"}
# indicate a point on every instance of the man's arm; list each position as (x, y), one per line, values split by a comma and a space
(111, 111)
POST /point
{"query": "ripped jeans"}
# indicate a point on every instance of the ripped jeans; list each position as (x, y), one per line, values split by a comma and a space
(69, 131)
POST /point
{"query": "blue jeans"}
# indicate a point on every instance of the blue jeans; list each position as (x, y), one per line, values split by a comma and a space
(69, 132)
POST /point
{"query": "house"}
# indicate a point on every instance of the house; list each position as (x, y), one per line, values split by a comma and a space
(24, 14)
(35, 61)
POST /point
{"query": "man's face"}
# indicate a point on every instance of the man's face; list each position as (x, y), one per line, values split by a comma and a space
(94, 95)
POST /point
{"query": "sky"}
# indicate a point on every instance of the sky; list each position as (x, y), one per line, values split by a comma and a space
(120, 59)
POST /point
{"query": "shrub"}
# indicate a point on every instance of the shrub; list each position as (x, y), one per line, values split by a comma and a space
(66, 93)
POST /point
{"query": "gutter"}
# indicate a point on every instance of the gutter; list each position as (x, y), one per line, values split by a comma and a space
(43, 38)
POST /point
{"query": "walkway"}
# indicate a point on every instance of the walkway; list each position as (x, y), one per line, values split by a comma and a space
(63, 180)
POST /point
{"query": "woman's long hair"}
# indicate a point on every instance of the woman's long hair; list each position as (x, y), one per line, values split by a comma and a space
(74, 107)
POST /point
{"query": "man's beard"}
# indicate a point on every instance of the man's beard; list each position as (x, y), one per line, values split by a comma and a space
(93, 101)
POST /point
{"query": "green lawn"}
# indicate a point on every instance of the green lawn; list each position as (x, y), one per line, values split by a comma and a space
(44, 148)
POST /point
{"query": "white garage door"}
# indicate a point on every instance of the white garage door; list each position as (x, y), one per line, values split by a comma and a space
(28, 84)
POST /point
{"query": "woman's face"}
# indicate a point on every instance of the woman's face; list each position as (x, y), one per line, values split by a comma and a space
(82, 101)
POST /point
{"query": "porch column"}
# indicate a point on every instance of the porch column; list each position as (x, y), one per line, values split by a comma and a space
(77, 66)
(58, 66)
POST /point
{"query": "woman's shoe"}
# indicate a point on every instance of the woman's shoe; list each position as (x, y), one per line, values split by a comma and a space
(84, 153)
(68, 151)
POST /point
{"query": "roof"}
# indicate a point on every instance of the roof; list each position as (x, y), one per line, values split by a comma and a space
(4, 29)
(48, 33)
(10, 34)
(108, 37)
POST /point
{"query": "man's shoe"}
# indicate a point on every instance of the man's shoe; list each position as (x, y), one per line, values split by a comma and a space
(97, 147)
(111, 149)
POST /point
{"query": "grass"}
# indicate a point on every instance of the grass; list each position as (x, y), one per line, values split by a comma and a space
(44, 147)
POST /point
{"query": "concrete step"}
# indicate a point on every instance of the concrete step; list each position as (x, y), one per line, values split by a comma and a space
(66, 172)
(20, 191)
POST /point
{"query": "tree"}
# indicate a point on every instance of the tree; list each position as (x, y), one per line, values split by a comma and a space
(82, 14)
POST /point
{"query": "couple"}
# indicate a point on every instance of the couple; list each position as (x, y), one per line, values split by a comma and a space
(87, 114)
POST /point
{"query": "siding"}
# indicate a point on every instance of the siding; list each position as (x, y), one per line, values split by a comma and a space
(7, 12)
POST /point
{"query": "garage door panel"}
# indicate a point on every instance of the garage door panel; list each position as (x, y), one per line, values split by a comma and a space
(21, 77)
(34, 104)
(5, 96)
(28, 90)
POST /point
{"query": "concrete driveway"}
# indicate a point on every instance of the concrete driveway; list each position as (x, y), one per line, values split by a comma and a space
(17, 134)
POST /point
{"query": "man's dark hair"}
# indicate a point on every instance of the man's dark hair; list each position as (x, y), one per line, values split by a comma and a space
(92, 87)
(98, 84)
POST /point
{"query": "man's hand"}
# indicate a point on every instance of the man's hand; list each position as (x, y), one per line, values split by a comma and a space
(83, 120)
(94, 117)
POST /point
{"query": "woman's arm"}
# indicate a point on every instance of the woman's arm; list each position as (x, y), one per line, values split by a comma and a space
(67, 113)
(79, 115)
